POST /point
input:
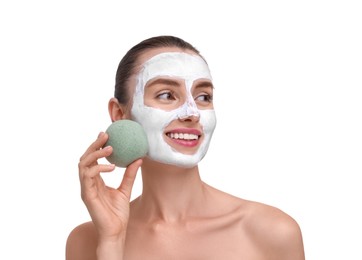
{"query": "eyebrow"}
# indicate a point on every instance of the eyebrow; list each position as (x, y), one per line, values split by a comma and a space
(171, 82)
(164, 81)
(204, 84)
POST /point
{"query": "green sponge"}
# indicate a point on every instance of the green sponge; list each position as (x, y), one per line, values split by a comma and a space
(128, 140)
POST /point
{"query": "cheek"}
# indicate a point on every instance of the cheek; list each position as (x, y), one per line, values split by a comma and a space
(148, 101)
(153, 120)
(208, 121)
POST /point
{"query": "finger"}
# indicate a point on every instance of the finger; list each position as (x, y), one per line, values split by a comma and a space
(92, 177)
(96, 170)
(91, 159)
(90, 188)
(129, 178)
(96, 145)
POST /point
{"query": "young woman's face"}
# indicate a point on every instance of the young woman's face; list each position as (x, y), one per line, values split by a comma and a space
(173, 103)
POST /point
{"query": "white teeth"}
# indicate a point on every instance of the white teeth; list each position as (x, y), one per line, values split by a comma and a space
(183, 136)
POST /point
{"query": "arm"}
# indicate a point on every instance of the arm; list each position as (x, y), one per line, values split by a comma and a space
(104, 237)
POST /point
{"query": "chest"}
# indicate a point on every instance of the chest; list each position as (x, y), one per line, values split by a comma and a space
(190, 242)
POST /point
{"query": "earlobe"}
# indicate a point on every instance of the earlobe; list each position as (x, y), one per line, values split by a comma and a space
(115, 110)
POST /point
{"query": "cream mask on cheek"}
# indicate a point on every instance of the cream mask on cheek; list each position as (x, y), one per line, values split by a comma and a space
(154, 120)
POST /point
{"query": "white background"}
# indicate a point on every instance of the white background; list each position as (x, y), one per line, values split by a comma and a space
(288, 78)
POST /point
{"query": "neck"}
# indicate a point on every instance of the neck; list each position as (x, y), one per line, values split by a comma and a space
(170, 193)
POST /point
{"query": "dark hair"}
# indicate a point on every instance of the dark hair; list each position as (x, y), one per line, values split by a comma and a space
(127, 65)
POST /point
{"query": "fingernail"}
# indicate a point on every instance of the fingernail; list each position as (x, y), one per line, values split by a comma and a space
(108, 147)
(100, 134)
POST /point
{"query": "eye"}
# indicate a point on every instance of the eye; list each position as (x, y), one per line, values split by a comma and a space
(204, 98)
(167, 95)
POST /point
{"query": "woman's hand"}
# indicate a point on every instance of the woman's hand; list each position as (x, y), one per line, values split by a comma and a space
(108, 207)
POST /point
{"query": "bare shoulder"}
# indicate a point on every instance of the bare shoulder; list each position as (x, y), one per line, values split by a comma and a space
(82, 242)
(274, 231)
(265, 231)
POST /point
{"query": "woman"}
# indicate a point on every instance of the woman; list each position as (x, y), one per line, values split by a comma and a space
(165, 84)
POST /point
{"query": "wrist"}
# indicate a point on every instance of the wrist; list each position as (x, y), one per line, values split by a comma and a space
(110, 249)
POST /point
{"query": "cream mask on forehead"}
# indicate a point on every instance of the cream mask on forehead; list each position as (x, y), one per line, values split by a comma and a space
(154, 120)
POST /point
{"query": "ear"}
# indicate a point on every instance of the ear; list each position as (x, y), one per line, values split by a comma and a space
(116, 111)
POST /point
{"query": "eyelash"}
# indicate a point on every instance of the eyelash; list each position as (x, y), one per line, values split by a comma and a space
(207, 98)
(171, 95)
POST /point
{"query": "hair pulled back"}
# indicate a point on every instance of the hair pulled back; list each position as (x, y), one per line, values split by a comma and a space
(126, 67)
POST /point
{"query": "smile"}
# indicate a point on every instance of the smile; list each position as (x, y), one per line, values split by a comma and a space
(183, 136)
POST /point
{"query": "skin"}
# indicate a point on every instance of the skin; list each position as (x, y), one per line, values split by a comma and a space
(177, 216)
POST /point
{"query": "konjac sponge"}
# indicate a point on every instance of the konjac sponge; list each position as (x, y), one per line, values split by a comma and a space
(128, 140)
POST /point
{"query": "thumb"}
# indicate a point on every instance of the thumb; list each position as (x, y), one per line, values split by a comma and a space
(129, 178)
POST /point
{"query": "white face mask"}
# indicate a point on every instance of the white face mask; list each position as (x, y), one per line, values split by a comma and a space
(154, 120)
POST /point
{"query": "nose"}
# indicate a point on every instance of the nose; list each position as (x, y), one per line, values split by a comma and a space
(189, 111)
(193, 118)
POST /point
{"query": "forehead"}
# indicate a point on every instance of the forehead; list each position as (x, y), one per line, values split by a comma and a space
(175, 64)
(145, 56)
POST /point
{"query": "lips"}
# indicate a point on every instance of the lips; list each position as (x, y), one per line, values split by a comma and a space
(185, 137)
